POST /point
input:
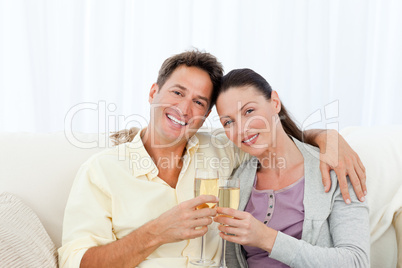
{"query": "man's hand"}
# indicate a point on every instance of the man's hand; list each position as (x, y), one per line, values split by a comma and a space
(185, 221)
(336, 154)
(177, 224)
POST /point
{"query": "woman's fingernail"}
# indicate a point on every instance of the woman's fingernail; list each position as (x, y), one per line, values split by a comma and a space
(365, 192)
(362, 199)
(348, 201)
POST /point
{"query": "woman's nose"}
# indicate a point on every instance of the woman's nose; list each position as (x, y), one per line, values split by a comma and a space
(242, 127)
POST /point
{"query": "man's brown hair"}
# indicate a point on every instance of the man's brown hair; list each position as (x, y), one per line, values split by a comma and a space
(194, 58)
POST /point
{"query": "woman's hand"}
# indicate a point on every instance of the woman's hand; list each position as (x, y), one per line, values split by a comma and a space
(244, 229)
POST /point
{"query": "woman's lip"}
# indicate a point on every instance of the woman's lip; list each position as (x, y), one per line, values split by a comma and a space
(251, 139)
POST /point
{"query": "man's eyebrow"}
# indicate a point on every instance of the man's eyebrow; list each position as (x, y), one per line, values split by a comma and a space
(180, 86)
(203, 98)
(185, 89)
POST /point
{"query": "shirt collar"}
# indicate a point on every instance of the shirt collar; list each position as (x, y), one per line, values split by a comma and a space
(141, 161)
(192, 145)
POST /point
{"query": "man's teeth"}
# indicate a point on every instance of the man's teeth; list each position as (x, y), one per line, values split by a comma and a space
(252, 138)
(176, 120)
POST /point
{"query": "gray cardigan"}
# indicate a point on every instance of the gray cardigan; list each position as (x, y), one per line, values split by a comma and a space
(334, 234)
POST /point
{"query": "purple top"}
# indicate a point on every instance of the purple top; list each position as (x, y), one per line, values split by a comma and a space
(282, 210)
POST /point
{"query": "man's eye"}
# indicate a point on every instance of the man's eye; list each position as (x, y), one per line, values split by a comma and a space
(199, 103)
(177, 92)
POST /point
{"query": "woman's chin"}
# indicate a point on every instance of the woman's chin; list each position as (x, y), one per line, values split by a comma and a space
(254, 150)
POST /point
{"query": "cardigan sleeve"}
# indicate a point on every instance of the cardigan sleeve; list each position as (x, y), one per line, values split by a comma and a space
(231, 256)
(349, 229)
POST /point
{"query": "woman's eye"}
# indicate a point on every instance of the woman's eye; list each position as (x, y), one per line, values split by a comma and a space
(249, 111)
(227, 123)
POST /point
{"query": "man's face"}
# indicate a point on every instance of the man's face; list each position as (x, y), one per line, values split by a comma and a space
(179, 108)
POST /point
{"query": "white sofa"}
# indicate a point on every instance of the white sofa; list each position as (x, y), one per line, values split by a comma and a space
(40, 168)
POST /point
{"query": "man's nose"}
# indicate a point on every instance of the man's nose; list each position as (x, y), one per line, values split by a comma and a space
(185, 107)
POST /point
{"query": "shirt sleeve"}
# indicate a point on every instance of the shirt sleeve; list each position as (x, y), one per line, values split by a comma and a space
(87, 218)
(349, 229)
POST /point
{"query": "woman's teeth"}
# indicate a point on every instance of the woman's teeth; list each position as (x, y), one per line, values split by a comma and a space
(252, 138)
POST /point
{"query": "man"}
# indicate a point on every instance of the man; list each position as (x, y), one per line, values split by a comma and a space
(141, 211)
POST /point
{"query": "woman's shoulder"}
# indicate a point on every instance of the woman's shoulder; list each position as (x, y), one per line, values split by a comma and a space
(308, 151)
(312, 172)
(249, 165)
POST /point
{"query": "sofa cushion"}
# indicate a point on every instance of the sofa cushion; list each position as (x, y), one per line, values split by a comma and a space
(23, 239)
(40, 168)
(380, 149)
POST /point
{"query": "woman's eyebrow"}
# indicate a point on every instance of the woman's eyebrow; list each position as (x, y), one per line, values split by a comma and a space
(225, 116)
(246, 104)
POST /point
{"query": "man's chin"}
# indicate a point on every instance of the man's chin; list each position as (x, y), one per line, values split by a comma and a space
(184, 136)
(172, 138)
(166, 136)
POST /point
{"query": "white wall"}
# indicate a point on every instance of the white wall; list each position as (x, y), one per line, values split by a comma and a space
(59, 57)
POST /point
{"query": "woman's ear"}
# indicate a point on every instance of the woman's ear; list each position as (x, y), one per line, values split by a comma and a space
(276, 102)
(154, 89)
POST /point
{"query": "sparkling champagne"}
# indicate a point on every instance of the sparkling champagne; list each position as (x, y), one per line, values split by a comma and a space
(206, 187)
(229, 197)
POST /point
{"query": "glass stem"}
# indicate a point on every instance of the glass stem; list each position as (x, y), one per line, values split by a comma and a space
(223, 256)
(202, 247)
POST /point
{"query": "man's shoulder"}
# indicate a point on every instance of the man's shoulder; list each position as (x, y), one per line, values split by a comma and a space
(208, 135)
(114, 153)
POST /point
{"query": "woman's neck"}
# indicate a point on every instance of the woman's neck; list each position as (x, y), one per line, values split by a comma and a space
(280, 157)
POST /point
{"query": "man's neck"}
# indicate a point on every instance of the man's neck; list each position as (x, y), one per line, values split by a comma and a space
(159, 147)
(167, 156)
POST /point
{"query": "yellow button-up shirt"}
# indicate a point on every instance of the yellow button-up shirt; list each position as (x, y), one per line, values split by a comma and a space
(118, 190)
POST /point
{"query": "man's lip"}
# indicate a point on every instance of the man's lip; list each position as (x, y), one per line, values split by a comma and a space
(177, 118)
(254, 136)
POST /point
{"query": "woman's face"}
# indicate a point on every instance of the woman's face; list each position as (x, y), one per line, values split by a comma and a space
(248, 118)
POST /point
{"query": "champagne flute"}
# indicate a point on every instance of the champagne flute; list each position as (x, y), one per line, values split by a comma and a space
(206, 183)
(229, 197)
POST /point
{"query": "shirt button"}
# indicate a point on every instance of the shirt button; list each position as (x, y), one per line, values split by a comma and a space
(269, 214)
(270, 196)
(270, 206)
(265, 222)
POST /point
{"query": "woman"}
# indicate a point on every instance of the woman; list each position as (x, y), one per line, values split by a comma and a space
(287, 220)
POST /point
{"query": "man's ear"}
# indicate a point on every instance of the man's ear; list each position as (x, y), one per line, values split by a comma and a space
(154, 90)
(276, 102)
